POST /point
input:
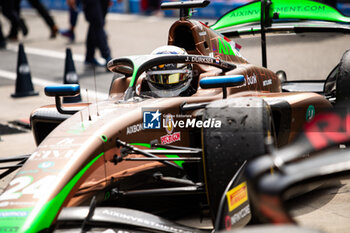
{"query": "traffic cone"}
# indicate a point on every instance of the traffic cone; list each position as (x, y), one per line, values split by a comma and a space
(24, 85)
(70, 76)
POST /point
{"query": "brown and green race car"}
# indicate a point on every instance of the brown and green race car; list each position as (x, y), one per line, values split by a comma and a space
(177, 126)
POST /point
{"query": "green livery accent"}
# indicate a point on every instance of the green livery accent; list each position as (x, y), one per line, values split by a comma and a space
(107, 195)
(310, 113)
(179, 163)
(79, 128)
(245, 14)
(104, 138)
(35, 219)
(133, 78)
(286, 9)
(225, 48)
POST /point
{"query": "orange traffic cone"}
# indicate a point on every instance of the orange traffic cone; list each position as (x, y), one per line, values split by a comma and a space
(70, 76)
(24, 85)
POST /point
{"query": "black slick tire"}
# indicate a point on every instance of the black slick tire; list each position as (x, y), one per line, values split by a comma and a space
(246, 122)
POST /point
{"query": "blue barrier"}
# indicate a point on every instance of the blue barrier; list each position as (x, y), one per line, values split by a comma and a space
(62, 5)
(344, 8)
(134, 6)
(50, 4)
(214, 11)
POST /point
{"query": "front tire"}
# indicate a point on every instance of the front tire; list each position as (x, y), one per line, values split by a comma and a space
(245, 124)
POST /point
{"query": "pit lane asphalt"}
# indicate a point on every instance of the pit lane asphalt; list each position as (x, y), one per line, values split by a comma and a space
(132, 35)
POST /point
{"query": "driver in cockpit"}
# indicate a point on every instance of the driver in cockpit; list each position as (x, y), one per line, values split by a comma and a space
(168, 80)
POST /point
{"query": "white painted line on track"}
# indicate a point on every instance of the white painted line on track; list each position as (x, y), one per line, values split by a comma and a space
(49, 53)
(46, 53)
(44, 83)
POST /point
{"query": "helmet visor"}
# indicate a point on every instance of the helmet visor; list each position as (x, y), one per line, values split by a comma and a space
(168, 77)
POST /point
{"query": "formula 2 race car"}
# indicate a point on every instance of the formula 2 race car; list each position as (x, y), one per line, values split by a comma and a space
(177, 126)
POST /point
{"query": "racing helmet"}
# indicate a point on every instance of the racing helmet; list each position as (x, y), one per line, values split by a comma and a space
(168, 80)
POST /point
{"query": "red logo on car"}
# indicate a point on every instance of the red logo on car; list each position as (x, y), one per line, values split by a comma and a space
(170, 138)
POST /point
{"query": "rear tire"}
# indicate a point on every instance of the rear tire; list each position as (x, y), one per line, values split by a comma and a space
(246, 122)
(343, 80)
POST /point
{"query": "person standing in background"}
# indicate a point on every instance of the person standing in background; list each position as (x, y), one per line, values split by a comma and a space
(73, 18)
(2, 39)
(42, 12)
(150, 7)
(144, 6)
(95, 13)
(154, 6)
(8, 10)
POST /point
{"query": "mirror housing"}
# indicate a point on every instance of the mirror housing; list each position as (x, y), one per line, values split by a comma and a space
(222, 81)
(184, 6)
(67, 90)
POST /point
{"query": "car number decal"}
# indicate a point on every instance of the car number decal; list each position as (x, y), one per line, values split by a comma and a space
(23, 185)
